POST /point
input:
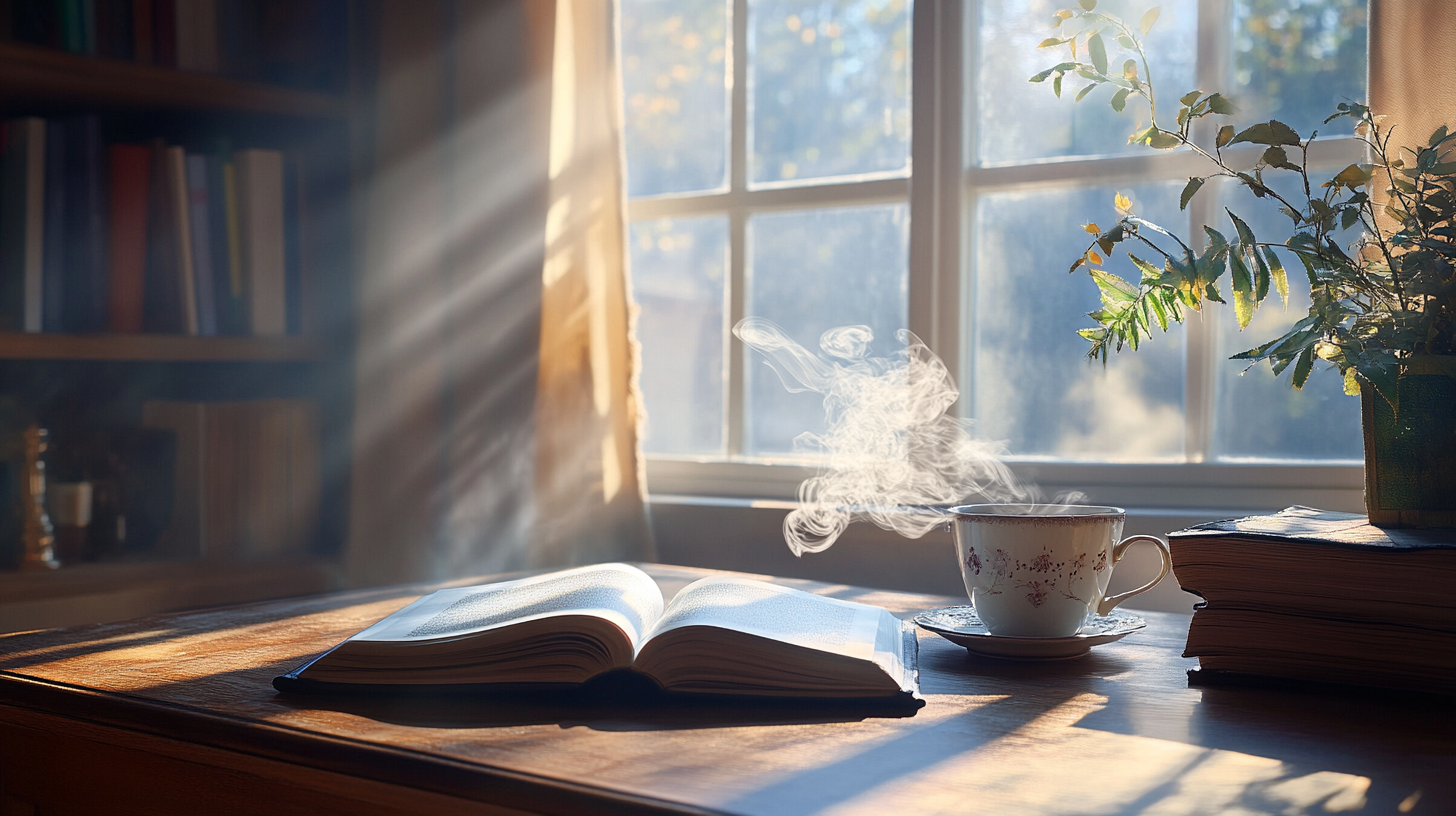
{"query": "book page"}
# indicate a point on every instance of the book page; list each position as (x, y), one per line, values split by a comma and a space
(782, 614)
(621, 593)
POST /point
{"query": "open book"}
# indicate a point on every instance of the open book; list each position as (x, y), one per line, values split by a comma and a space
(720, 635)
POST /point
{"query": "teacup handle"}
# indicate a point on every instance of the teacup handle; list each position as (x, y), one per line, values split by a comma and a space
(1117, 551)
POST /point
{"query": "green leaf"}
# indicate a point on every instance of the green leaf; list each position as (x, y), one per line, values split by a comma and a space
(1126, 41)
(1267, 133)
(1225, 133)
(1220, 104)
(1114, 289)
(1057, 86)
(1119, 99)
(1050, 41)
(1087, 4)
(1246, 235)
(1189, 98)
(1438, 136)
(1276, 271)
(1149, 17)
(1085, 91)
(1097, 50)
(1276, 157)
(1129, 69)
(1058, 70)
(1188, 190)
(1163, 140)
(1302, 368)
(1349, 217)
(1354, 175)
(1261, 275)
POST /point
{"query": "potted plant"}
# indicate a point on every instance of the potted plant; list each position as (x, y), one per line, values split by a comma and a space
(1383, 308)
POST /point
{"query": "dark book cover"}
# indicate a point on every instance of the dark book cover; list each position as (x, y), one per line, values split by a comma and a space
(88, 27)
(114, 38)
(199, 222)
(238, 38)
(143, 36)
(85, 307)
(164, 33)
(162, 307)
(22, 183)
(53, 253)
(69, 13)
(130, 170)
(36, 23)
(227, 290)
(292, 258)
(1306, 525)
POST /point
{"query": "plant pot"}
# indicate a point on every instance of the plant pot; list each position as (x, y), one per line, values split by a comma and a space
(1410, 451)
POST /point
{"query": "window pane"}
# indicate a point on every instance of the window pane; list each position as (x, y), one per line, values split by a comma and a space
(678, 268)
(829, 88)
(1016, 121)
(1258, 416)
(1294, 60)
(1031, 383)
(674, 82)
(811, 271)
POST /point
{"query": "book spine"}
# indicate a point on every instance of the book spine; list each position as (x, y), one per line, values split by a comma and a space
(143, 32)
(162, 313)
(130, 176)
(22, 233)
(164, 33)
(71, 26)
(227, 304)
(205, 34)
(88, 27)
(200, 210)
(86, 259)
(292, 269)
(186, 17)
(186, 275)
(53, 257)
(260, 199)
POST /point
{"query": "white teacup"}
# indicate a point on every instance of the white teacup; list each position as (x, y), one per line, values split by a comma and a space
(1038, 570)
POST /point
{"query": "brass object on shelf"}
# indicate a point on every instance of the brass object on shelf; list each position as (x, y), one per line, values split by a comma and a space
(36, 533)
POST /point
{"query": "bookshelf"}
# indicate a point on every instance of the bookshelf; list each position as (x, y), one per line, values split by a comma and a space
(88, 385)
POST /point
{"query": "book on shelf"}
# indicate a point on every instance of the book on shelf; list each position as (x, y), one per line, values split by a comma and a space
(1307, 594)
(128, 238)
(22, 224)
(721, 635)
(297, 43)
(248, 476)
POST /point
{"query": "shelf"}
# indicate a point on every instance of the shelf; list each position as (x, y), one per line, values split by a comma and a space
(160, 348)
(94, 593)
(36, 74)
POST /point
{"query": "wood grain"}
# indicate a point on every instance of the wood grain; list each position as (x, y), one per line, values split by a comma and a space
(184, 701)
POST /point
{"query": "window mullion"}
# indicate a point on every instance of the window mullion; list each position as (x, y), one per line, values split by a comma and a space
(1201, 338)
(735, 413)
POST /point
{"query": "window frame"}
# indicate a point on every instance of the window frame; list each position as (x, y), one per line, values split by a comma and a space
(942, 188)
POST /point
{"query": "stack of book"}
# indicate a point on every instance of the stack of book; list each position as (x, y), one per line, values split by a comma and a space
(291, 42)
(144, 237)
(247, 477)
(1311, 595)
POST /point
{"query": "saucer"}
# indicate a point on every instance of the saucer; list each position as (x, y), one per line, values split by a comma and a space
(960, 625)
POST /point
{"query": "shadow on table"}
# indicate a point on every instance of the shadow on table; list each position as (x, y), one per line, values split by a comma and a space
(616, 701)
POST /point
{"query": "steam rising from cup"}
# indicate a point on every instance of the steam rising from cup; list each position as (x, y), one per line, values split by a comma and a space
(891, 454)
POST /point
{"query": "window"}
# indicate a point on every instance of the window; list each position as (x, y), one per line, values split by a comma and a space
(769, 153)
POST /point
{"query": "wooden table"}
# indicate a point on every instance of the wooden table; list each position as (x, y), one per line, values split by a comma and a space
(175, 714)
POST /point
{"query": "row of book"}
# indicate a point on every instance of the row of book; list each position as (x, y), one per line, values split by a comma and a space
(1311, 595)
(289, 42)
(149, 238)
(247, 477)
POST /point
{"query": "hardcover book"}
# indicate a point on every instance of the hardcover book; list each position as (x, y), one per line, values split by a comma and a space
(722, 635)
(1316, 595)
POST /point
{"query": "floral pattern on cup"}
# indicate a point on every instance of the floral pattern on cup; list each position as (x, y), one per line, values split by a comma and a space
(1054, 575)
